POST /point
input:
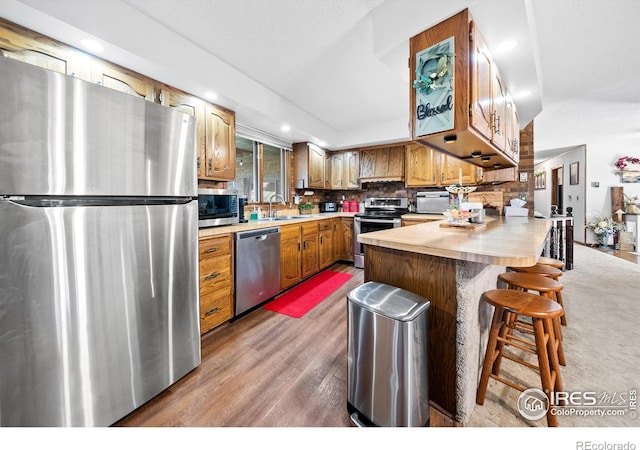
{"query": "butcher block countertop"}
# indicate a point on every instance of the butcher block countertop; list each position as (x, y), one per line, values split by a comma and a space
(504, 241)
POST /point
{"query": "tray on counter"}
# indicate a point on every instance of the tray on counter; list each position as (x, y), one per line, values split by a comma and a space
(463, 226)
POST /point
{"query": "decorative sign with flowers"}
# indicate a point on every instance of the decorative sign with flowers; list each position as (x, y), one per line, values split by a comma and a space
(434, 88)
(604, 228)
(632, 204)
(629, 168)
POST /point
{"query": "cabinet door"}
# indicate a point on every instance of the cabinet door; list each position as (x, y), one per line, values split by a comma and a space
(421, 168)
(512, 130)
(336, 165)
(383, 164)
(481, 83)
(195, 107)
(451, 168)
(290, 264)
(351, 163)
(309, 254)
(499, 96)
(220, 144)
(316, 167)
(32, 48)
(325, 248)
(123, 80)
(338, 241)
(347, 233)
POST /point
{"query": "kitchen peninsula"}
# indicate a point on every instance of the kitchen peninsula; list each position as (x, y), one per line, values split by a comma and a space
(452, 268)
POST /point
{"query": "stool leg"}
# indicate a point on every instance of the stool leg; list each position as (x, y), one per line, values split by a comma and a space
(543, 364)
(558, 338)
(554, 356)
(563, 318)
(489, 355)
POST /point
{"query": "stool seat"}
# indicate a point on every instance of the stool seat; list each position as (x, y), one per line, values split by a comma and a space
(540, 269)
(551, 262)
(532, 281)
(523, 303)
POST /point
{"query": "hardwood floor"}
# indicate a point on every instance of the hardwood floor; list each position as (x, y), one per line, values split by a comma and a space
(267, 370)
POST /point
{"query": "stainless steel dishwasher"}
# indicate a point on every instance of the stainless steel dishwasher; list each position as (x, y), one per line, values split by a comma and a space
(257, 267)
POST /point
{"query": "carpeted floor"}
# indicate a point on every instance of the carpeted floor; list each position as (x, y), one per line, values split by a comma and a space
(601, 344)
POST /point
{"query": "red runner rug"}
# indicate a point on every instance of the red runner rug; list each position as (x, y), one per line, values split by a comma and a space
(304, 297)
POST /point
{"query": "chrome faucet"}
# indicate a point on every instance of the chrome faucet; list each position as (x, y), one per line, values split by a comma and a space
(271, 199)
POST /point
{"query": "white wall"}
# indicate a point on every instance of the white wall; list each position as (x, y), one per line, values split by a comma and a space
(573, 195)
(597, 166)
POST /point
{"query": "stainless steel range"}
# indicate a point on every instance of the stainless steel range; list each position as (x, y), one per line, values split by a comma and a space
(380, 213)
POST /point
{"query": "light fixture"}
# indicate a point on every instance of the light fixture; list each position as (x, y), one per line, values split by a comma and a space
(91, 45)
(476, 154)
(497, 165)
(285, 127)
(211, 96)
(485, 158)
(450, 138)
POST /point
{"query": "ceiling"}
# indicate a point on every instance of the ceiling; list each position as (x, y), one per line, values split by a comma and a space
(336, 71)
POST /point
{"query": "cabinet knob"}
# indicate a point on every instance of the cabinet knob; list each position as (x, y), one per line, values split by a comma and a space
(212, 311)
(211, 250)
(212, 276)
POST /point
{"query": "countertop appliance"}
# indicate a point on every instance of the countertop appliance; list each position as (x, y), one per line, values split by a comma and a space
(328, 207)
(257, 267)
(99, 249)
(432, 202)
(218, 207)
(380, 213)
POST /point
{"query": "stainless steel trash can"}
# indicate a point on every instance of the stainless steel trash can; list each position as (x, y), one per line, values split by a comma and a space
(388, 338)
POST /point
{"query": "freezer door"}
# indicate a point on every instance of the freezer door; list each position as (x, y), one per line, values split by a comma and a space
(98, 310)
(63, 136)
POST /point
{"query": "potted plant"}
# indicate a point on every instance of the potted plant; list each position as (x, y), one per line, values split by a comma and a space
(604, 228)
(305, 208)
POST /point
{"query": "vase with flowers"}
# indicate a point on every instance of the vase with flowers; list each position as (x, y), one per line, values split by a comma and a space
(604, 228)
(631, 204)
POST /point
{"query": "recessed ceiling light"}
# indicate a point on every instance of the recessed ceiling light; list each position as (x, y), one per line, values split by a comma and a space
(211, 96)
(285, 127)
(522, 94)
(506, 46)
(92, 45)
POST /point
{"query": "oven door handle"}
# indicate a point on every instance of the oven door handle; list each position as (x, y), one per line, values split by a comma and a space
(365, 220)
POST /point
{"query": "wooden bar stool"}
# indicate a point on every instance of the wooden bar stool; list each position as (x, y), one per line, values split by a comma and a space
(546, 287)
(542, 311)
(556, 263)
(547, 271)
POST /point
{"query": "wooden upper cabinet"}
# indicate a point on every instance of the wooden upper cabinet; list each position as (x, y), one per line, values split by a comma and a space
(382, 164)
(32, 48)
(481, 85)
(344, 170)
(351, 163)
(451, 168)
(336, 167)
(472, 91)
(123, 80)
(220, 144)
(195, 107)
(310, 165)
(512, 130)
(422, 166)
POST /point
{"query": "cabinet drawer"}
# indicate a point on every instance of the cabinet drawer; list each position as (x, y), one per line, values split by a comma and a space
(324, 225)
(309, 227)
(289, 232)
(214, 246)
(215, 273)
(215, 308)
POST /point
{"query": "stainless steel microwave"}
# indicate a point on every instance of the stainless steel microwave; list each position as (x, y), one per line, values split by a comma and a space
(217, 207)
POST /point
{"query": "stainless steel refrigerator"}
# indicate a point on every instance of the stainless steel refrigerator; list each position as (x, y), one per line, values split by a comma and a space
(98, 250)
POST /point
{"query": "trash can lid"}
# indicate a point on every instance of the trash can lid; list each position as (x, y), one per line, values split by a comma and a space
(389, 301)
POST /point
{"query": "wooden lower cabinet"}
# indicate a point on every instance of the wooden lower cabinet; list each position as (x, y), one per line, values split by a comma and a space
(310, 248)
(325, 243)
(338, 240)
(290, 256)
(347, 238)
(216, 281)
